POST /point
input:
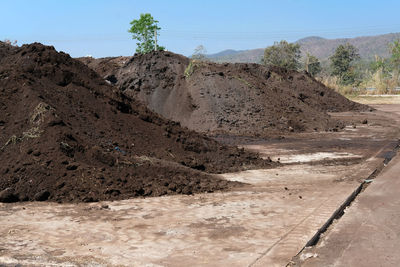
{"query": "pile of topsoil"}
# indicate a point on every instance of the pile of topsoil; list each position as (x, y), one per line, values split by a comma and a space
(239, 99)
(66, 135)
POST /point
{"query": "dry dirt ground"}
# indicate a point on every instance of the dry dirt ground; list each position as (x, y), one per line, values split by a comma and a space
(367, 234)
(376, 99)
(263, 224)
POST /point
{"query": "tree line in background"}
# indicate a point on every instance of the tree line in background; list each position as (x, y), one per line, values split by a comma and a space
(344, 71)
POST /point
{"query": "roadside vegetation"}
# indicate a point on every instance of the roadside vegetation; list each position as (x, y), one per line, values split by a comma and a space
(344, 70)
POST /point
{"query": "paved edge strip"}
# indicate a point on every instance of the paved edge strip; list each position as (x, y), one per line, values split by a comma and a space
(340, 211)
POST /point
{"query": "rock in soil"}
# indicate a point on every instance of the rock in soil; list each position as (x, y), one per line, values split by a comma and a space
(8, 196)
(42, 195)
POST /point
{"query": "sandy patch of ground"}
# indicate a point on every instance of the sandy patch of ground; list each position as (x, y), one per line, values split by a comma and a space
(376, 99)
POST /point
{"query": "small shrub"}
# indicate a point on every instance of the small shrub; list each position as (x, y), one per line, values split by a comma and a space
(189, 69)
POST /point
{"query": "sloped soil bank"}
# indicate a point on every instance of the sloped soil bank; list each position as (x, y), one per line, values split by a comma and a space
(66, 135)
(234, 99)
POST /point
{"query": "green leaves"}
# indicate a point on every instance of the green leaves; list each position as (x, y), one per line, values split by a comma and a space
(395, 51)
(283, 54)
(312, 65)
(144, 30)
(342, 63)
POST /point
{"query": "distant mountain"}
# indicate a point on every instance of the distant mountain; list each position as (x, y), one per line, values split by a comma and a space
(310, 39)
(225, 53)
(368, 47)
(234, 56)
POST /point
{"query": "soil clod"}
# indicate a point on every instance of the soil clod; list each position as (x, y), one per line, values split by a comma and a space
(8, 196)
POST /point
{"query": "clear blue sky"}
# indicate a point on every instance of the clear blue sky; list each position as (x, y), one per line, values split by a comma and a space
(99, 27)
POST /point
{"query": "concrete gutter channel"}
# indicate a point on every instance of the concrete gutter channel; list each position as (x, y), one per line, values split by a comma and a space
(388, 156)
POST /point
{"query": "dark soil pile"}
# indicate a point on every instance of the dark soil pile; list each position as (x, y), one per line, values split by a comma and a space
(105, 66)
(239, 99)
(66, 135)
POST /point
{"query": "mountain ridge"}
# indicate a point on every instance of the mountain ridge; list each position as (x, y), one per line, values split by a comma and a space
(322, 48)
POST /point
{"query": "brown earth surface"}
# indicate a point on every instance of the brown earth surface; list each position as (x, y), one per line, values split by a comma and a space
(238, 99)
(105, 66)
(66, 135)
(264, 223)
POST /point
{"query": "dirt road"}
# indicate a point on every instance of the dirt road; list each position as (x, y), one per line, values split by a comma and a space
(263, 224)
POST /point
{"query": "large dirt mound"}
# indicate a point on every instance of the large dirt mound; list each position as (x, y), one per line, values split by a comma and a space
(240, 99)
(66, 135)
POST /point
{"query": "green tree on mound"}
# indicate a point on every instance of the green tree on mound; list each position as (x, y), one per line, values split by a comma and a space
(282, 54)
(342, 63)
(145, 30)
